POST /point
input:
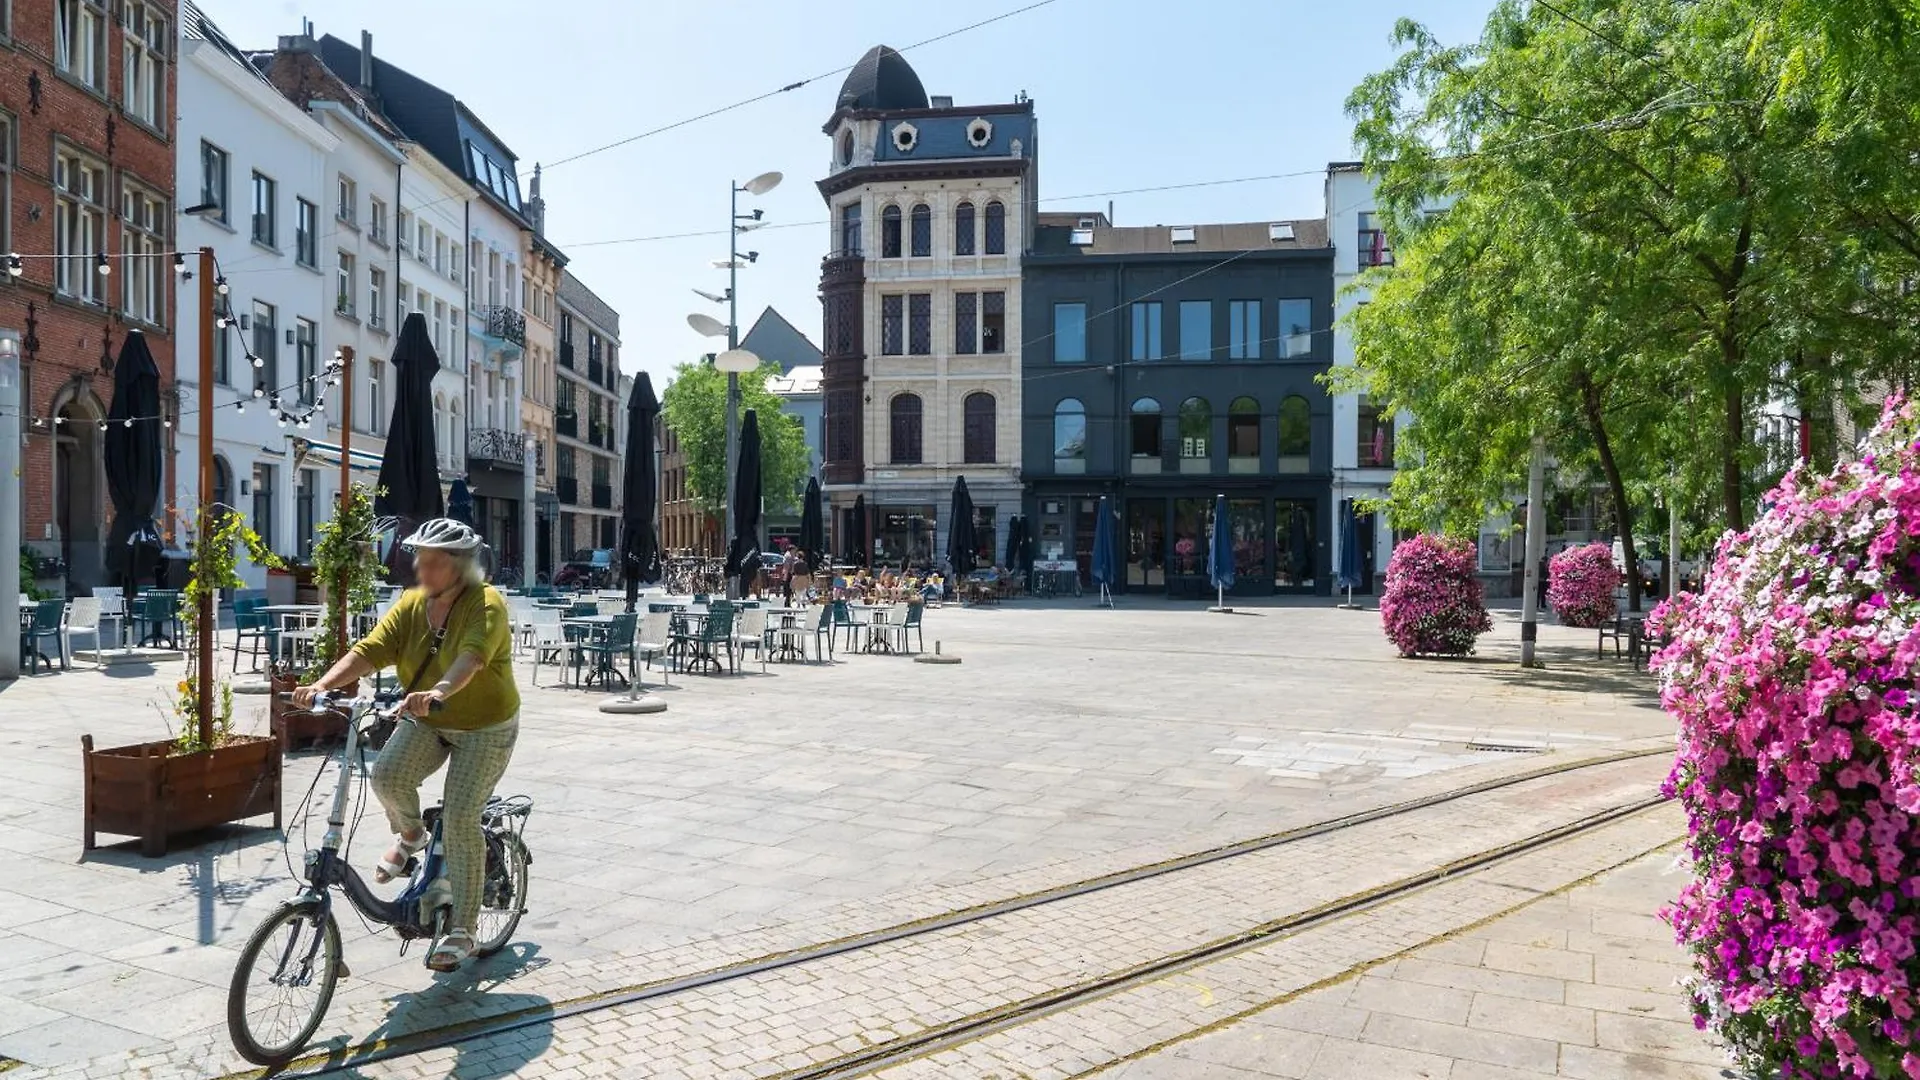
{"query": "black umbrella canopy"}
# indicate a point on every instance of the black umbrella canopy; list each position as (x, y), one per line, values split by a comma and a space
(743, 550)
(813, 531)
(1016, 527)
(639, 491)
(960, 535)
(133, 460)
(460, 502)
(409, 470)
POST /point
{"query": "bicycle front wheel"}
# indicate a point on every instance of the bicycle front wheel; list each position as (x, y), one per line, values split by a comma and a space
(283, 983)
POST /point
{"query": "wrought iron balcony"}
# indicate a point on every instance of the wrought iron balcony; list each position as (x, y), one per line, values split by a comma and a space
(603, 496)
(498, 446)
(506, 324)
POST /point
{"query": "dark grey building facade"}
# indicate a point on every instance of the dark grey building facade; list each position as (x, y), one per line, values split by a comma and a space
(1164, 366)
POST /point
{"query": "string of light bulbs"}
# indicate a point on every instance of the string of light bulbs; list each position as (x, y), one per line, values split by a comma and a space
(225, 321)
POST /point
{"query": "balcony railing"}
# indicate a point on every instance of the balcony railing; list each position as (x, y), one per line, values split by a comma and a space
(497, 445)
(595, 373)
(597, 435)
(567, 490)
(603, 496)
(506, 324)
(566, 354)
(567, 424)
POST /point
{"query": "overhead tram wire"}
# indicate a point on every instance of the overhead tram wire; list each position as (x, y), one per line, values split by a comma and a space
(790, 87)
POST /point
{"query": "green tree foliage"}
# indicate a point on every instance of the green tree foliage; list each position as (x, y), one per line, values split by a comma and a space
(695, 406)
(1661, 216)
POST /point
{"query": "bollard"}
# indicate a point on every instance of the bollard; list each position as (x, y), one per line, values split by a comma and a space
(936, 657)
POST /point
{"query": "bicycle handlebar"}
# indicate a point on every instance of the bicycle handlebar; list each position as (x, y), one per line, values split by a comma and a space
(326, 699)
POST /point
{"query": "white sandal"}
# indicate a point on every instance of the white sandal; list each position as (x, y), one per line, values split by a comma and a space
(388, 868)
(450, 950)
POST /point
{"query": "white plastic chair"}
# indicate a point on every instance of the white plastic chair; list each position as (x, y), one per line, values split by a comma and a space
(654, 639)
(604, 606)
(519, 614)
(750, 632)
(113, 607)
(546, 638)
(83, 617)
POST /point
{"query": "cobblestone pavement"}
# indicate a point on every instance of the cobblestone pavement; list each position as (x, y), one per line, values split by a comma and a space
(771, 811)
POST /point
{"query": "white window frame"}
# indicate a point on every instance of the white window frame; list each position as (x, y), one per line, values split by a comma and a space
(80, 223)
(145, 274)
(80, 42)
(346, 285)
(347, 210)
(144, 52)
(403, 230)
(376, 220)
(306, 233)
(376, 297)
(306, 358)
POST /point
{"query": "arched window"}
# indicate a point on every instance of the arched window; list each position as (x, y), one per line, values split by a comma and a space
(1296, 435)
(904, 414)
(1243, 436)
(979, 416)
(890, 233)
(996, 228)
(846, 147)
(963, 240)
(1070, 436)
(222, 481)
(922, 230)
(1196, 435)
(1143, 435)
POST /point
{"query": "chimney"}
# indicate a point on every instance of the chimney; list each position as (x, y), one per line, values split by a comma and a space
(366, 64)
(536, 206)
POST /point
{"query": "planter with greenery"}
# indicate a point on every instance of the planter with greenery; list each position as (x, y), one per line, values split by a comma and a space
(205, 775)
(346, 565)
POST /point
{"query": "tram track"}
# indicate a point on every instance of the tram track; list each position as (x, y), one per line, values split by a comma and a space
(985, 1022)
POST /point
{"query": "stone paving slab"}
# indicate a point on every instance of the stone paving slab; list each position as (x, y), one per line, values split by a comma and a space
(809, 799)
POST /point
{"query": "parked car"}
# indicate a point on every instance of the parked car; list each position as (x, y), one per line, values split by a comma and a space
(1652, 559)
(590, 568)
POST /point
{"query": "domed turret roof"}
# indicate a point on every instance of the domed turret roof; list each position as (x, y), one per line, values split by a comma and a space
(882, 80)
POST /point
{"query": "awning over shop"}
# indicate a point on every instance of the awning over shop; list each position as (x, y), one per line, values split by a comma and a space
(307, 453)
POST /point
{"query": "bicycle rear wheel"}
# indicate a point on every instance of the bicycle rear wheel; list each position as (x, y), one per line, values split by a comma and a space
(503, 897)
(283, 983)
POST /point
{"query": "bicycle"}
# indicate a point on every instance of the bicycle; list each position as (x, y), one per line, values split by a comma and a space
(297, 948)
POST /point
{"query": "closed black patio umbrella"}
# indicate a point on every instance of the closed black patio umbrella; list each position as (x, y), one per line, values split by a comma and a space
(639, 491)
(409, 469)
(133, 462)
(460, 502)
(813, 532)
(960, 537)
(743, 548)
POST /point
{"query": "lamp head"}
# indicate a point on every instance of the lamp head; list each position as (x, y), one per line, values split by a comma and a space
(706, 325)
(761, 184)
(736, 361)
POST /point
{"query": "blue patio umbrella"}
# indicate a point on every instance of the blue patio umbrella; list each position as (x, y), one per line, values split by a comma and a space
(1106, 553)
(1220, 552)
(1347, 573)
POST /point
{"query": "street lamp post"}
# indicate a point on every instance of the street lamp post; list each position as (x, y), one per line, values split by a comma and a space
(711, 327)
(10, 583)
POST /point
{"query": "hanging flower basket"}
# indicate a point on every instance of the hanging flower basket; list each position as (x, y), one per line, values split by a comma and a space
(1791, 674)
(1432, 603)
(1580, 586)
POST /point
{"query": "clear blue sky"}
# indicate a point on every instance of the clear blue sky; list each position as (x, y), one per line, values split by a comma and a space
(1128, 93)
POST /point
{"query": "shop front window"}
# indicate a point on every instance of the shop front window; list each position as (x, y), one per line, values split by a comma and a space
(1190, 520)
(903, 537)
(1293, 544)
(1247, 520)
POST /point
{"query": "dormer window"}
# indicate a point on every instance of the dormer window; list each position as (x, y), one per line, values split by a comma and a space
(979, 133)
(905, 137)
(1280, 230)
(1082, 237)
(1182, 234)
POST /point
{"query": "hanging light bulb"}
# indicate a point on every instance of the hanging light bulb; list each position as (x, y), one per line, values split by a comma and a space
(101, 264)
(168, 424)
(13, 265)
(128, 423)
(220, 285)
(103, 425)
(258, 362)
(58, 420)
(179, 263)
(39, 421)
(283, 421)
(273, 399)
(239, 406)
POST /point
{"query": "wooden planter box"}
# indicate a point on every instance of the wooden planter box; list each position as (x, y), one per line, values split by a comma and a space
(147, 791)
(296, 728)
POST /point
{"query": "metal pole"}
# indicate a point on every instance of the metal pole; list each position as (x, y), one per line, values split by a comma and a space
(203, 620)
(346, 488)
(1536, 547)
(1673, 542)
(10, 484)
(530, 449)
(733, 380)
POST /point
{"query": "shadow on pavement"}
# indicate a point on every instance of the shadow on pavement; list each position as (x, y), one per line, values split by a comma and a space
(419, 1020)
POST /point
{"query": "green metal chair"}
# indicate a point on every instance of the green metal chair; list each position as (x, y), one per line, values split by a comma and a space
(254, 625)
(47, 616)
(912, 626)
(158, 617)
(603, 646)
(703, 646)
(845, 619)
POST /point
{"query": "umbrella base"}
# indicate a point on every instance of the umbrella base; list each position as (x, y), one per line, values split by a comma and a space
(633, 706)
(1351, 607)
(112, 657)
(936, 657)
(1220, 610)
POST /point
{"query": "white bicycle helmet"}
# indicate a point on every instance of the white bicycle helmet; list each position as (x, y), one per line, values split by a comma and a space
(445, 534)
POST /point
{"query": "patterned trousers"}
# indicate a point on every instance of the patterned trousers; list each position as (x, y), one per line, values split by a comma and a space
(479, 759)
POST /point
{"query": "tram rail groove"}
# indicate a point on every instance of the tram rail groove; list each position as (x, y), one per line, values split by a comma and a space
(342, 1059)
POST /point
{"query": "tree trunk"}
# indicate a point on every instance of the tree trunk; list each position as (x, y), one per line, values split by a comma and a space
(1732, 438)
(1616, 484)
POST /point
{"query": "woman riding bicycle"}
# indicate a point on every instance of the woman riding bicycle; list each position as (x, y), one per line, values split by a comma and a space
(452, 635)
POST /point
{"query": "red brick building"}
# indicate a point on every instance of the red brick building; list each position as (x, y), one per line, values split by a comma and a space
(86, 171)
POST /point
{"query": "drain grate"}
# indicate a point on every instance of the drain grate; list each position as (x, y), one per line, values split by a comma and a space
(1506, 747)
